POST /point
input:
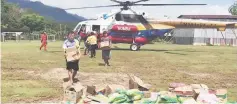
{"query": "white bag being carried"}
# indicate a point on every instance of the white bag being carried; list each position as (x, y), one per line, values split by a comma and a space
(105, 44)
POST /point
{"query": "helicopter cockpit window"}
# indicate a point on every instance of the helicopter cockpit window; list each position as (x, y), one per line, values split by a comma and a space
(78, 27)
(130, 18)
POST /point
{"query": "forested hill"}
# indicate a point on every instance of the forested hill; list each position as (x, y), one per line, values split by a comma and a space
(53, 13)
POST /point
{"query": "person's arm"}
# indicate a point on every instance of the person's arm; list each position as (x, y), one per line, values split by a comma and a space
(41, 38)
(78, 48)
(79, 52)
(46, 37)
(65, 48)
(88, 39)
(110, 42)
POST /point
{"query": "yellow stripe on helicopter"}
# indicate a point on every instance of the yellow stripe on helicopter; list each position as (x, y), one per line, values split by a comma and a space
(155, 26)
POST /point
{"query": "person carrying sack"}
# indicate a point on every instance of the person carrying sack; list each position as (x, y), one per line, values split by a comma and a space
(72, 54)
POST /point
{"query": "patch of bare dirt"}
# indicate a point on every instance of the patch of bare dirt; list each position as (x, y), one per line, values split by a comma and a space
(58, 74)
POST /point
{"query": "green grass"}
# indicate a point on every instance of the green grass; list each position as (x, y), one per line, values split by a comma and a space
(158, 64)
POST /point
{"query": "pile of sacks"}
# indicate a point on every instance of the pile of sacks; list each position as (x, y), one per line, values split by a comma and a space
(197, 93)
(139, 93)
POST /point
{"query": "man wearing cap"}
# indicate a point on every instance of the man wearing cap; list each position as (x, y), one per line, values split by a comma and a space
(92, 40)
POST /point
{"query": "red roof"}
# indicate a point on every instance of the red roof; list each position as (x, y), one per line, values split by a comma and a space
(208, 16)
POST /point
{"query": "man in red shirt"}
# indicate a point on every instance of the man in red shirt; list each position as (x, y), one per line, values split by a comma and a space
(44, 39)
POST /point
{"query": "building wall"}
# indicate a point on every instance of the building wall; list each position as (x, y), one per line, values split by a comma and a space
(206, 36)
(214, 37)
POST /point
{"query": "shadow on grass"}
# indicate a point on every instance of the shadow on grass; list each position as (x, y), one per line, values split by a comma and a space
(126, 49)
(55, 51)
(175, 53)
(101, 64)
(154, 50)
(67, 79)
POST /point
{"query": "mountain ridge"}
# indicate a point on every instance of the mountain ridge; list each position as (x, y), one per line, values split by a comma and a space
(58, 14)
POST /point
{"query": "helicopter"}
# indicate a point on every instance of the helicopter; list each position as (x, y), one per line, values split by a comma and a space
(128, 26)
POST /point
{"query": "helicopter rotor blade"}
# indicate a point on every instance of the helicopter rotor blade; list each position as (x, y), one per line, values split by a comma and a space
(139, 1)
(117, 1)
(92, 7)
(167, 4)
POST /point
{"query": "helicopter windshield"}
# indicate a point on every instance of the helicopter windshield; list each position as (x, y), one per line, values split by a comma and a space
(128, 18)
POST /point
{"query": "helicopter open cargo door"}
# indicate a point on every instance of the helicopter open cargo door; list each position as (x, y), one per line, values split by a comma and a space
(96, 28)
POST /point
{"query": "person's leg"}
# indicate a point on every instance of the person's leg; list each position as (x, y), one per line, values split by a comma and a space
(45, 46)
(70, 76)
(89, 50)
(107, 60)
(108, 57)
(74, 74)
(95, 46)
(42, 44)
(85, 51)
(92, 50)
(76, 68)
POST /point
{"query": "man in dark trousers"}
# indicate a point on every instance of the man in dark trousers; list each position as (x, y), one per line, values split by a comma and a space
(44, 39)
(92, 40)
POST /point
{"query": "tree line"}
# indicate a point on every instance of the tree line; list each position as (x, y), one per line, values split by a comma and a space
(233, 8)
(15, 18)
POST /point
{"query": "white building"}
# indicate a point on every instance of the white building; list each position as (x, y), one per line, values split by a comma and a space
(206, 36)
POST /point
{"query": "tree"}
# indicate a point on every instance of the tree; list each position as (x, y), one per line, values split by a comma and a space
(33, 21)
(233, 9)
(10, 15)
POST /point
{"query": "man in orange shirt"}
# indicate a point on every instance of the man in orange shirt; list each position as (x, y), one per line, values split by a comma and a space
(44, 39)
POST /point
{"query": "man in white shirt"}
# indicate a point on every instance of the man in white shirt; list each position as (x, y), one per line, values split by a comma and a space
(72, 66)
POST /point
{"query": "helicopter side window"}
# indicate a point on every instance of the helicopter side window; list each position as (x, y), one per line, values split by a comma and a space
(118, 17)
(83, 28)
(78, 27)
(96, 28)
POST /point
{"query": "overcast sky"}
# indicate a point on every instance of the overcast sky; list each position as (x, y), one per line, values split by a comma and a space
(213, 7)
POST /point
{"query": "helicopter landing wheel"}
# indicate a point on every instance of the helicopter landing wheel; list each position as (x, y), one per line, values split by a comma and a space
(135, 47)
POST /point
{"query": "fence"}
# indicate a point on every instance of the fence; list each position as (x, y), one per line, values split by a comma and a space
(26, 36)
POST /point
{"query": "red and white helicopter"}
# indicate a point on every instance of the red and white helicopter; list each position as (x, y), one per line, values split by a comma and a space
(127, 26)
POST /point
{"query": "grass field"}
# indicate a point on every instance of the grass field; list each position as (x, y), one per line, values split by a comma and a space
(158, 64)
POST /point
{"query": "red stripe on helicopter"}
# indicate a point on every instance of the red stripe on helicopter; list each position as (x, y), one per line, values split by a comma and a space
(125, 28)
(141, 40)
